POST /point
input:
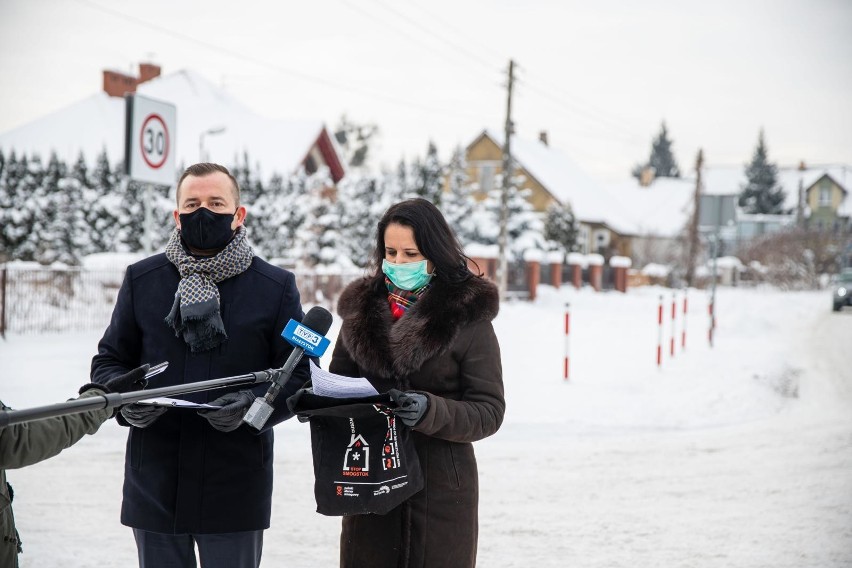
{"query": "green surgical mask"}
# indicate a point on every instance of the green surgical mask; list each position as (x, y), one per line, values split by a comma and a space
(408, 276)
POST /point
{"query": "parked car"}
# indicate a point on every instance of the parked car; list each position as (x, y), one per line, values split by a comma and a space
(842, 294)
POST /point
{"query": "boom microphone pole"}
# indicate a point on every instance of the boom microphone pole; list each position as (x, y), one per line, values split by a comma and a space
(114, 399)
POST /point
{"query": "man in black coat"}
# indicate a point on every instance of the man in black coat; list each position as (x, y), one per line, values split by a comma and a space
(211, 309)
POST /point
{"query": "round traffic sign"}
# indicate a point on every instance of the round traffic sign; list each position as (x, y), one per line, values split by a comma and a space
(154, 141)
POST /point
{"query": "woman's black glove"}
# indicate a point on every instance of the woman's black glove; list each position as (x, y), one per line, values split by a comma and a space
(230, 416)
(412, 406)
(130, 381)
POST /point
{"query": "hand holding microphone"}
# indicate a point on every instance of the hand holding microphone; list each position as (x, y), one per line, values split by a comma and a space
(307, 336)
(233, 406)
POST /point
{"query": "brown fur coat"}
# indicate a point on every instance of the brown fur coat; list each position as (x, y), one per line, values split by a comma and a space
(444, 347)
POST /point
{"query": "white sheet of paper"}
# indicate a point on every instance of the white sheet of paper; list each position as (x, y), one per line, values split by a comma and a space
(175, 403)
(337, 386)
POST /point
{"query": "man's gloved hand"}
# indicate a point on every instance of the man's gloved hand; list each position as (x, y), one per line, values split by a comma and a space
(230, 416)
(412, 406)
(129, 381)
(142, 415)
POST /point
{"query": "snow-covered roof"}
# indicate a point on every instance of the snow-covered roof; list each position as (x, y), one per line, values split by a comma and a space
(729, 180)
(589, 200)
(97, 122)
(664, 207)
(660, 209)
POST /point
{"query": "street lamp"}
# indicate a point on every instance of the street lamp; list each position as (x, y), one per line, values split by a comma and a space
(211, 131)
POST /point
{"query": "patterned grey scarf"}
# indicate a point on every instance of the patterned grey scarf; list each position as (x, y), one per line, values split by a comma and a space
(195, 314)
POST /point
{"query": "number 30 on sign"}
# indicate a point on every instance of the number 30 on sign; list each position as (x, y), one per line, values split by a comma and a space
(150, 140)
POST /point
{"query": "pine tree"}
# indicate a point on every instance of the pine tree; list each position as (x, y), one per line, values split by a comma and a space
(662, 160)
(319, 238)
(31, 220)
(401, 182)
(8, 187)
(55, 235)
(560, 226)
(276, 216)
(359, 206)
(524, 226)
(107, 208)
(457, 204)
(79, 175)
(427, 176)
(250, 186)
(761, 193)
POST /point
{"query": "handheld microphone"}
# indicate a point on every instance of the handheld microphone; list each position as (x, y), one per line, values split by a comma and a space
(305, 337)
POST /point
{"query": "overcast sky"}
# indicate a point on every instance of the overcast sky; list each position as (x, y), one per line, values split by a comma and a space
(598, 76)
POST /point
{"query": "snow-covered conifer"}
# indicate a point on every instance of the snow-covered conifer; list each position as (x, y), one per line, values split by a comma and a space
(427, 176)
(560, 226)
(458, 203)
(761, 193)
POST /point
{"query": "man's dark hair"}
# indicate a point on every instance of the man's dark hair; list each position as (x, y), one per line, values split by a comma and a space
(204, 169)
(433, 236)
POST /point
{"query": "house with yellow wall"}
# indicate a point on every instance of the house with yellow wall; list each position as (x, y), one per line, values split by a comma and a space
(828, 202)
(553, 178)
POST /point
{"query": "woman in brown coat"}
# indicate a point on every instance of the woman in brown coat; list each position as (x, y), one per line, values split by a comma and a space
(422, 324)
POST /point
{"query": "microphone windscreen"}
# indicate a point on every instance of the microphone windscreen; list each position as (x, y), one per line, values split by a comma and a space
(318, 319)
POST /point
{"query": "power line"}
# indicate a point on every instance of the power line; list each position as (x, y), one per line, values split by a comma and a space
(280, 69)
(455, 48)
(563, 103)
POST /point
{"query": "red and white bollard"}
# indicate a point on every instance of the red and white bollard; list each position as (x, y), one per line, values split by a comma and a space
(674, 334)
(683, 324)
(567, 342)
(660, 334)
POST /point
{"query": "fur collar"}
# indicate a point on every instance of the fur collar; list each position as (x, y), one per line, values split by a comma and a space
(384, 349)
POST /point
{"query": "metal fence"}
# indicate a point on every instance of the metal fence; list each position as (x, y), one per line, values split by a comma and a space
(47, 300)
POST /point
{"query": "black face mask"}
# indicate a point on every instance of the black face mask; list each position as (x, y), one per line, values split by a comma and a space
(205, 230)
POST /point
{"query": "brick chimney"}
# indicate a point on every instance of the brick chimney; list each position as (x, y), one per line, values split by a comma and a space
(148, 71)
(542, 137)
(117, 83)
(646, 176)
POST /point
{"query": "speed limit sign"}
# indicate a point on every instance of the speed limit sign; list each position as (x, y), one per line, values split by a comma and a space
(149, 140)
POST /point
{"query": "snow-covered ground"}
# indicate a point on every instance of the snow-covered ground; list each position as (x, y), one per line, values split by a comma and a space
(738, 455)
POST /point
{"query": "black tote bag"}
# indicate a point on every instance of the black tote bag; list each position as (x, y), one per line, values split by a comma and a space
(364, 459)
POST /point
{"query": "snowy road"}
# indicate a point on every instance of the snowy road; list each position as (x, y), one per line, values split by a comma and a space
(739, 456)
(772, 493)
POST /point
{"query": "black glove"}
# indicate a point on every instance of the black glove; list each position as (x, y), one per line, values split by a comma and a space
(230, 416)
(412, 406)
(142, 415)
(129, 381)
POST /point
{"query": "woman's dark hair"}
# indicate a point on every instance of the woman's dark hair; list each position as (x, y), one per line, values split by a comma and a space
(434, 237)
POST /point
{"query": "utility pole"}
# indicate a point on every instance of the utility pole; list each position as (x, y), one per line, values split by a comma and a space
(693, 224)
(502, 260)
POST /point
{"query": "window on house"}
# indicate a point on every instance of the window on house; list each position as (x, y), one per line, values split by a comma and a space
(486, 177)
(310, 165)
(825, 193)
(601, 240)
(583, 240)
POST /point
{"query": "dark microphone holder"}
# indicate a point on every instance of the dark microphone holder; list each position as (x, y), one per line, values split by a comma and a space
(113, 400)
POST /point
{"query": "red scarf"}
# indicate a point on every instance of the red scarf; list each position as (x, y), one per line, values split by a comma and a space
(400, 300)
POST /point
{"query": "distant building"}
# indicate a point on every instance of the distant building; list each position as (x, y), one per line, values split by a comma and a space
(553, 178)
(211, 126)
(816, 197)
